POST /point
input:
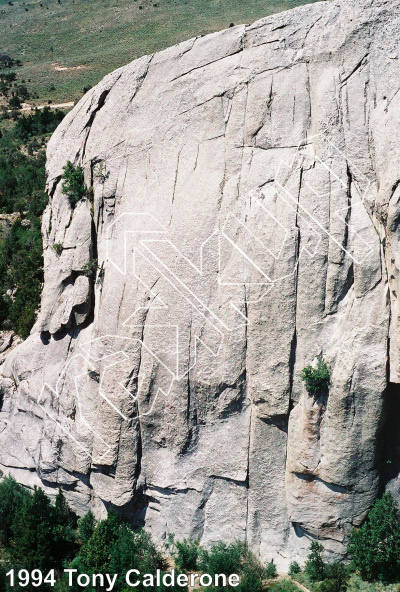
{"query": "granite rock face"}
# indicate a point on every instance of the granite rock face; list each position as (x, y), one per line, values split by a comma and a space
(245, 220)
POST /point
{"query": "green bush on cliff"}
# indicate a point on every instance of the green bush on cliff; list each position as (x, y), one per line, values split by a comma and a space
(73, 183)
(316, 379)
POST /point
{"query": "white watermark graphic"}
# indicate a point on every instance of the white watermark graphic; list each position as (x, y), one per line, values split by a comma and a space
(207, 288)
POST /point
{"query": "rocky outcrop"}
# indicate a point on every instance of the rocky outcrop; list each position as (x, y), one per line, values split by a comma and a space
(244, 221)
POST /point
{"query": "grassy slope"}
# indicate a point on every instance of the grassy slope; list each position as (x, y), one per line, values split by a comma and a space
(103, 35)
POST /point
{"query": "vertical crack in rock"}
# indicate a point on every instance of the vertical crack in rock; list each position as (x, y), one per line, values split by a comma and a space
(176, 174)
(139, 454)
(293, 344)
(140, 80)
(88, 126)
(189, 433)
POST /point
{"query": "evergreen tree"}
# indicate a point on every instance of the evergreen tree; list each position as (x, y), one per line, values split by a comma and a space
(294, 568)
(315, 567)
(271, 571)
(186, 554)
(135, 549)
(12, 497)
(41, 535)
(375, 547)
(86, 526)
(114, 548)
(95, 554)
(233, 559)
(63, 536)
(336, 576)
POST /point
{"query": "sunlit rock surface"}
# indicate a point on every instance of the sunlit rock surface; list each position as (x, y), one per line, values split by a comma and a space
(244, 221)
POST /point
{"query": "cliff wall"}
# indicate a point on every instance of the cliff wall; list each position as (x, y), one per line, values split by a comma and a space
(245, 216)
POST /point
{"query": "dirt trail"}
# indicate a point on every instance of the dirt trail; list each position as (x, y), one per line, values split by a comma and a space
(299, 585)
(59, 106)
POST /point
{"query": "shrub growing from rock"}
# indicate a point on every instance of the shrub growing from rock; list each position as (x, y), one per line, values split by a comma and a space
(316, 379)
(73, 183)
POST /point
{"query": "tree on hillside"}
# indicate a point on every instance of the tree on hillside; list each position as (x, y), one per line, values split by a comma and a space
(95, 554)
(112, 547)
(86, 526)
(315, 566)
(375, 547)
(41, 121)
(14, 102)
(12, 498)
(138, 550)
(41, 533)
(235, 558)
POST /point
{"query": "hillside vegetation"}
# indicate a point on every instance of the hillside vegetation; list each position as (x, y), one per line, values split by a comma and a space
(39, 538)
(67, 45)
(22, 201)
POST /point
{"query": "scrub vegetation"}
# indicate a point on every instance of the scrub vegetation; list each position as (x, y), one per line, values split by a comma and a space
(37, 534)
(23, 139)
(67, 46)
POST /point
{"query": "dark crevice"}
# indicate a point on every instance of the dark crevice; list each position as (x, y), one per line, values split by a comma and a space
(63, 486)
(348, 213)
(302, 532)
(45, 337)
(2, 393)
(310, 478)
(189, 437)
(279, 421)
(139, 453)
(390, 458)
(168, 491)
(292, 364)
(141, 79)
(53, 187)
(100, 103)
(104, 470)
(207, 64)
(293, 343)
(230, 480)
(393, 191)
(357, 67)
(280, 27)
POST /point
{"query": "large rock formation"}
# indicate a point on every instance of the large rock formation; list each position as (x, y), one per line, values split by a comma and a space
(246, 202)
